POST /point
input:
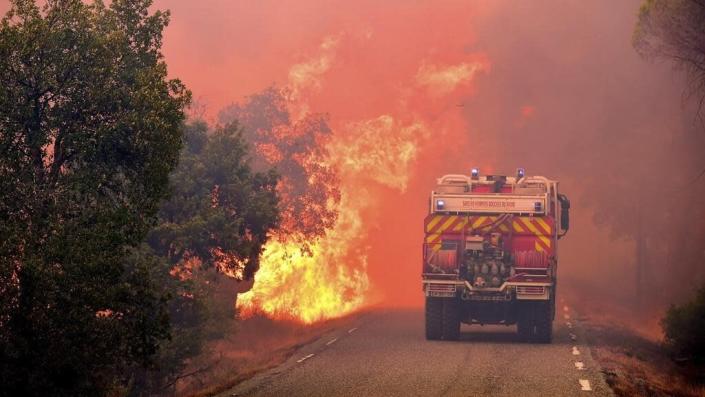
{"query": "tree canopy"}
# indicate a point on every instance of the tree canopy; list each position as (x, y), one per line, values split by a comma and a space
(217, 220)
(675, 30)
(221, 211)
(89, 132)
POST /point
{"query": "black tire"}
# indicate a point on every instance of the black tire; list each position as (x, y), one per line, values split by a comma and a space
(543, 318)
(451, 319)
(434, 318)
(525, 329)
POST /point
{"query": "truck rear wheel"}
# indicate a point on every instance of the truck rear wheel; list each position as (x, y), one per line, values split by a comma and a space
(525, 327)
(535, 323)
(451, 319)
(434, 318)
(543, 317)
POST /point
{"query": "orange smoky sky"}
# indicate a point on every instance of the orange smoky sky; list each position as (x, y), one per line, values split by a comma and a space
(417, 89)
(396, 78)
(225, 50)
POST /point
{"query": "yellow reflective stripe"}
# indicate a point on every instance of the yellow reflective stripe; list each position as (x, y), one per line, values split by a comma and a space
(516, 226)
(546, 241)
(530, 226)
(479, 221)
(544, 225)
(431, 237)
(538, 247)
(446, 224)
(460, 225)
(433, 222)
(503, 228)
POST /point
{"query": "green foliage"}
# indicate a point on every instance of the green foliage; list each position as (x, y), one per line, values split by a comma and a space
(684, 327)
(218, 218)
(220, 211)
(89, 132)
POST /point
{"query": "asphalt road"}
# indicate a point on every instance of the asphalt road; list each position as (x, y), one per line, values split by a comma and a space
(384, 353)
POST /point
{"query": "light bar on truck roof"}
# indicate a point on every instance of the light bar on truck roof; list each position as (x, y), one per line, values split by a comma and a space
(475, 172)
(520, 173)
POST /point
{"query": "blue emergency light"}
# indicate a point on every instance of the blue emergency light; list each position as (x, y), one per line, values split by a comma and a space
(440, 204)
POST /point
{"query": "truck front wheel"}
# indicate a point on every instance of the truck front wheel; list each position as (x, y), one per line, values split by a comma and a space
(434, 318)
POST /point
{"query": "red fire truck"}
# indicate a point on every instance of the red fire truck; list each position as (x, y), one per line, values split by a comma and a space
(490, 253)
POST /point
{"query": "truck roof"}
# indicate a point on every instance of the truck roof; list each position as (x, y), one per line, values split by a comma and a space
(485, 194)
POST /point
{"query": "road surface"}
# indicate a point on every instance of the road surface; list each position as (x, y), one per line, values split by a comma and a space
(384, 353)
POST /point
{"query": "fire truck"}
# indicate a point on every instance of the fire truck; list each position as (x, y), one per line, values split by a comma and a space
(490, 253)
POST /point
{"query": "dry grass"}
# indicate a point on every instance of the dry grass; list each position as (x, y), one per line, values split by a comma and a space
(628, 348)
(257, 344)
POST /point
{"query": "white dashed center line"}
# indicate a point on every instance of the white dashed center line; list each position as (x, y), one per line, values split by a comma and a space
(585, 385)
(304, 358)
(330, 342)
(565, 308)
(579, 365)
(351, 330)
(576, 352)
(572, 336)
(569, 324)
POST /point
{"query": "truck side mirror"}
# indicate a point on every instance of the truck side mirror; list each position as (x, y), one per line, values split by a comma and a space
(565, 212)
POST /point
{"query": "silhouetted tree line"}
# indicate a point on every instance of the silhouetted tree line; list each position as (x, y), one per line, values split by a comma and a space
(674, 30)
(112, 209)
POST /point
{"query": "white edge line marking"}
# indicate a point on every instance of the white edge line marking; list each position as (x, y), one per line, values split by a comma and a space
(579, 365)
(585, 385)
(576, 352)
(565, 316)
(351, 330)
(304, 358)
(330, 342)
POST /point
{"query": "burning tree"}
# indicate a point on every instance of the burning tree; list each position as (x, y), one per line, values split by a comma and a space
(308, 187)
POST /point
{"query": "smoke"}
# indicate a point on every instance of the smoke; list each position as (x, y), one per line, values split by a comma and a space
(413, 90)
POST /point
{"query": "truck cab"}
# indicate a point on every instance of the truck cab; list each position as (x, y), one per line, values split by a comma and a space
(490, 253)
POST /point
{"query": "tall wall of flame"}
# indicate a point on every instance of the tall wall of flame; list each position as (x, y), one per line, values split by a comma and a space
(414, 90)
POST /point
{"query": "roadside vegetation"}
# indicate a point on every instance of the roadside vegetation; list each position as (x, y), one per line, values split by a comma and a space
(684, 332)
(118, 219)
(674, 31)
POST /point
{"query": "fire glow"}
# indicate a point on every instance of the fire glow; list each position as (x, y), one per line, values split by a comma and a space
(393, 93)
(330, 278)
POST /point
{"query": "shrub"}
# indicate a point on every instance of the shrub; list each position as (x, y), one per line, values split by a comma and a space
(684, 328)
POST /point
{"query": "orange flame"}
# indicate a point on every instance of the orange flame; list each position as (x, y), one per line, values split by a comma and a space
(329, 278)
(385, 85)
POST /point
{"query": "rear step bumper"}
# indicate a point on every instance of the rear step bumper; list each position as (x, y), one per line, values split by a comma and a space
(524, 290)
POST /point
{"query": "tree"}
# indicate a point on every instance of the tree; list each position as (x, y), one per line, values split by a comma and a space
(89, 132)
(675, 30)
(218, 218)
(221, 211)
(308, 188)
